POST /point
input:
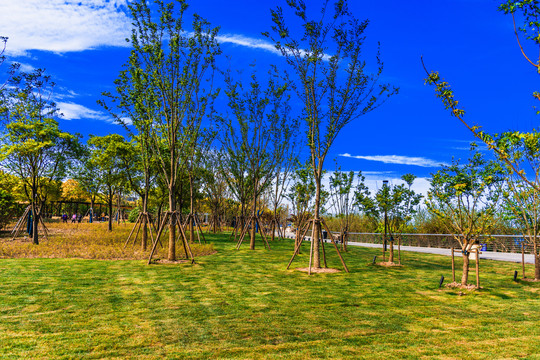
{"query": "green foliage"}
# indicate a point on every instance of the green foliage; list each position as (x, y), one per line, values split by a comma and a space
(254, 136)
(8, 208)
(134, 214)
(466, 196)
(530, 11)
(33, 147)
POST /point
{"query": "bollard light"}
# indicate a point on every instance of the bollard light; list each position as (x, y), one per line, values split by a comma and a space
(441, 282)
(374, 258)
(515, 275)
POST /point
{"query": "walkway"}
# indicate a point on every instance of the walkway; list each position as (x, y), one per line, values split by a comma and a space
(485, 255)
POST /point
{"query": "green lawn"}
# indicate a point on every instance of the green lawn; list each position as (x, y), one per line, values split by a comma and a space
(245, 305)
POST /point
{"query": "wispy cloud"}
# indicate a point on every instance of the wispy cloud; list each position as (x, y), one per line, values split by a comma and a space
(63, 25)
(73, 111)
(255, 43)
(398, 159)
(247, 42)
(26, 68)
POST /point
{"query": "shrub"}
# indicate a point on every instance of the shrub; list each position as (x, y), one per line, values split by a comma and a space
(7, 208)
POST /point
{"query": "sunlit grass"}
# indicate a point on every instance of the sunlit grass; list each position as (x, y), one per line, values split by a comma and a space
(245, 305)
(91, 241)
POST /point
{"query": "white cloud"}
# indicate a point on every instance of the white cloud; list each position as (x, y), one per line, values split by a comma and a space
(247, 42)
(63, 25)
(26, 68)
(72, 111)
(255, 43)
(398, 159)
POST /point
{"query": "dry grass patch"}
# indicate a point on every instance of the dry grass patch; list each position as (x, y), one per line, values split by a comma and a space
(91, 241)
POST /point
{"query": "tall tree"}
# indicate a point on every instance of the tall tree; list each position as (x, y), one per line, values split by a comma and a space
(330, 79)
(169, 75)
(253, 132)
(33, 146)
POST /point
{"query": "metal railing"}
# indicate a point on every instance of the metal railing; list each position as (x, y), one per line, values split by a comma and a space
(497, 243)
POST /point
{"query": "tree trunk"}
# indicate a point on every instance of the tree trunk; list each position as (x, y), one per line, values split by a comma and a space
(465, 276)
(191, 211)
(144, 240)
(536, 262)
(391, 252)
(91, 212)
(316, 223)
(253, 221)
(172, 227)
(110, 203)
(35, 221)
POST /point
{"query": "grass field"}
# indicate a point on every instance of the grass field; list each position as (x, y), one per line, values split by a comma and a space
(245, 305)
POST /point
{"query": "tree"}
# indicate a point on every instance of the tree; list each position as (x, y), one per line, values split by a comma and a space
(85, 172)
(522, 199)
(105, 160)
(466, 198)
(334, 88)
(253, 132)
(301, 195)
(341, 185)
(215, 187)
(514, 148)
(168, 81)
(33, 146)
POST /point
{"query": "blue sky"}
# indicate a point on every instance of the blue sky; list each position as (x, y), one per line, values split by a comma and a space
(81, 44)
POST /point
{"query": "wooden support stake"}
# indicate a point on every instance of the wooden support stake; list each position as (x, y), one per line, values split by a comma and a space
(311, 247)
(335, 245)
(523, 259)
(136, 223)
(477, 269)
(167, 214)
(322, 245)
(297, 246)
(453, 267)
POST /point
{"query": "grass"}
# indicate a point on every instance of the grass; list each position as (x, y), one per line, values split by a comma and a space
(90, 241)
(246, 305)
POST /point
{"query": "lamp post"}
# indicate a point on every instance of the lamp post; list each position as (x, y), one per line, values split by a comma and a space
(385, 187)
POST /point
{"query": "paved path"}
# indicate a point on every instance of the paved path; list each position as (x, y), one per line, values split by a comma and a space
(487, 255)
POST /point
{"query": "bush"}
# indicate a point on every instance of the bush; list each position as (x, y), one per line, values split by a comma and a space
(7, 208)
(134, 214)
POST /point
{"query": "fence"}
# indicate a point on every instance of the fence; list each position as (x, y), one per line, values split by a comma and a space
(498, 243)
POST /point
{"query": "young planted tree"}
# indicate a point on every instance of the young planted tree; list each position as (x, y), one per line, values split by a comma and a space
(199, 147)
(33, 147)
(341, 186)
(301, 195)
(139, 169)
(85, 173)
(105, 159)
(329, 78)
(214, 188)
(290, 140)
(521, 198)
(466, 197)
(253, 133)
(169, 75)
